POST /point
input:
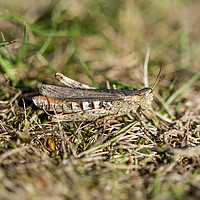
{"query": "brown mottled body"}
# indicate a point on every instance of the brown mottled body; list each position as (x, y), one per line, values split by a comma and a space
(80, 102)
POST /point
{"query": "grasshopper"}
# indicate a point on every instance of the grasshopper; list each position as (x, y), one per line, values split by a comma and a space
(80, 102)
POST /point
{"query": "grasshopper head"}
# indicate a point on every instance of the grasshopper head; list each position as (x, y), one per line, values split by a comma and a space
(146, 94)
(146, 97)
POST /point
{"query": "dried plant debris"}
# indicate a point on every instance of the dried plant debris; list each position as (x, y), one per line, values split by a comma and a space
(132, 155)
(70, 154)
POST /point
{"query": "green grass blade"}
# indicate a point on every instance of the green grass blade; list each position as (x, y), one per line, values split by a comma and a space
(182, 89)
(8, 68)
(22, 51)
(111, 140)
(11, 55)
(87, 71)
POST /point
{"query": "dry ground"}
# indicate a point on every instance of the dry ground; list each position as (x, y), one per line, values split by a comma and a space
(96, 42)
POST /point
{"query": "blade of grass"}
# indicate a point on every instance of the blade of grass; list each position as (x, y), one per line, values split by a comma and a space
(8, 68)
(55, 21)
(12, 57)
(157, 185)
(23, 48)
(87, 71)
(182, 89)
(111, 140)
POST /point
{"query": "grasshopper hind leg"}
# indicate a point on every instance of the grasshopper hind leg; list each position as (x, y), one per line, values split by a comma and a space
(71, 83)
(93, 115)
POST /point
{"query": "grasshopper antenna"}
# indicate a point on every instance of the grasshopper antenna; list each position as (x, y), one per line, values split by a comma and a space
(158, 79)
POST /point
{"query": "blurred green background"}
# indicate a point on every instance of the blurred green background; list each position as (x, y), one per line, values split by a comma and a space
(100, 37)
